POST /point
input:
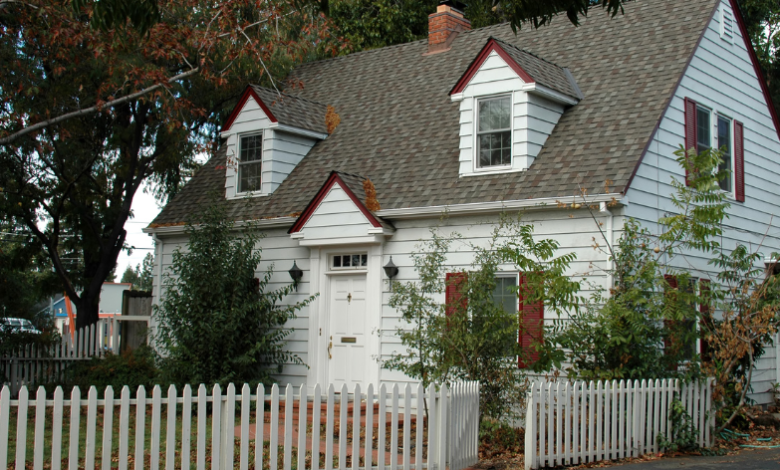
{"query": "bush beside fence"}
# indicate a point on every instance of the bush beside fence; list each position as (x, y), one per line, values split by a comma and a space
(180, 436)
(578, 422)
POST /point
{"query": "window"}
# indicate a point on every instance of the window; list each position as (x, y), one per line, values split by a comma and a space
(250, 163)
(505, 293)
(724, 144)
(703, 139)
(351, 261)
(494, 134)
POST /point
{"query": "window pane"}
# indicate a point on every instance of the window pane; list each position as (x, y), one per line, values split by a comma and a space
(251, 148)
(347, 260)
(494, 114)
(249, 176)
(724, 144)
(484, 112)
(364, 260)
(703, 128)
(355, 260)
(337, 261)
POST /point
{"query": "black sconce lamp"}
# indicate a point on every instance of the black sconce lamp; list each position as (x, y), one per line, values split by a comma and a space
(391, 269)
(296, 274)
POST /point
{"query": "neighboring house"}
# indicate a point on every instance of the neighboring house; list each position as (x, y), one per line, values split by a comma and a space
(64, 309)
(473, 123)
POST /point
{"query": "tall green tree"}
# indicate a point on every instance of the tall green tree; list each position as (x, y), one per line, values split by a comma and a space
(218, 322)
(90, 109)
(141, 277)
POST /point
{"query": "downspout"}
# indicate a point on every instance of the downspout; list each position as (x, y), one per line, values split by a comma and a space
(603, 210)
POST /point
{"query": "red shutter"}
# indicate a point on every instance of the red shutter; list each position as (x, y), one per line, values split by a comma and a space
(454, 292)
(706, 321)
(690, 130)
(739, 161)
(531, 320)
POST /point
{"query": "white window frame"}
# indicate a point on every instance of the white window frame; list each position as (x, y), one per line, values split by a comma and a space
(261, 161)
(333, 267)
(475, 159)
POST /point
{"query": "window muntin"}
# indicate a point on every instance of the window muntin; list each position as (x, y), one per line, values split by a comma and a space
(494, 133)
(724, 144)
(703, 136)
(250, 163)
(349, 261)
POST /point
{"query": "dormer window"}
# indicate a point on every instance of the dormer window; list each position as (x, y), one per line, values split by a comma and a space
(250, 163)
(494, 141)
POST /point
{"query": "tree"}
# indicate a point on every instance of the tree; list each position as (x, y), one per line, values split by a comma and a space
(89, 110)
(141, 277)
(762, 21)
(218, 323)
(471, 337)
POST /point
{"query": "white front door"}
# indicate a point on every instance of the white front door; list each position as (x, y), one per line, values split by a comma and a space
(347, 342)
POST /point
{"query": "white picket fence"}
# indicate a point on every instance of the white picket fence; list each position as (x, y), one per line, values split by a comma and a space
(180, 438)
(572, 423)
(31, 365)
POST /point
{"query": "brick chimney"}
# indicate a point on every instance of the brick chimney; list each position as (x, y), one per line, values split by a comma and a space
(444, 26)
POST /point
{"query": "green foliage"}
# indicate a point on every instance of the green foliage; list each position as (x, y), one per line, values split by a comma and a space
(218, 323)
(684, 435)
(133, 368)
(141, 277)
(474, 337)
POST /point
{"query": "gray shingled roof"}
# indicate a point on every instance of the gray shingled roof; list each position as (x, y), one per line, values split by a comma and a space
(543, 72)
(294, 111)
(400, 129)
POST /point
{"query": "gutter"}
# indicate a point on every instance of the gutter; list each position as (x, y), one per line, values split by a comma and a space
(279, 222)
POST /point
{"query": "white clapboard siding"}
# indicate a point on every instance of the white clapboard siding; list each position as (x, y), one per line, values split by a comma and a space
(452, 427)
(30, 365)
(570, 423)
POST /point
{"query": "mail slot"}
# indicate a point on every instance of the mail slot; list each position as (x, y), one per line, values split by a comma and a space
(348, 339)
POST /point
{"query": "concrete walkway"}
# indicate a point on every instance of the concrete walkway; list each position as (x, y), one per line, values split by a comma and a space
(747, 459)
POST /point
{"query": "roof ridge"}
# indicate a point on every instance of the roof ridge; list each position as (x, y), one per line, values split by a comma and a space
(288, 95)
(526, 51)
(350, 174)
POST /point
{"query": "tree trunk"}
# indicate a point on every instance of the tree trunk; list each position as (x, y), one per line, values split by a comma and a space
(87, 309)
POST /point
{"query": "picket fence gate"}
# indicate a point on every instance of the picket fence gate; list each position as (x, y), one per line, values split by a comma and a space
(32, 364)
(572, 423)
(447, 438)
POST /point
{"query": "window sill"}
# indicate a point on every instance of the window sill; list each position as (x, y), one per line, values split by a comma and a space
(501, 171)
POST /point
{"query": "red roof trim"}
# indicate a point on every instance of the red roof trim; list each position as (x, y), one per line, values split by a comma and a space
(492, 45)
(315, 203)
(669, 102)
(249, 91)
(756, 66)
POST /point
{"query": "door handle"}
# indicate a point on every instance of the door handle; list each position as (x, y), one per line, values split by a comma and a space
(330, 345)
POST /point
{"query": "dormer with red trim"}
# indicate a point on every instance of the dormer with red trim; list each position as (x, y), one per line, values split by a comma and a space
(510, 101)
(268, 134)
(343, 194)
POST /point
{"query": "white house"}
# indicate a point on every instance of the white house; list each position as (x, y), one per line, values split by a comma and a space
(475, 123)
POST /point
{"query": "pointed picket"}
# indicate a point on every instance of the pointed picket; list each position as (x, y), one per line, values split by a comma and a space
(303, 404)
(288, 426)
(228, 427)
(369, 444)
(56, 431)
(40, 421)
(170, 435)
(344, 404)
(186, 426)
(154, 460)
(246, 405)
(418, 448)
(316, 414)
(382, 426)
(108, 427)
(259, 425)
(273, 454)
(75, 415)
(356, 428)
(407, 426)
(200, 452)
(216, 431)
(124, 426)
(89, 456)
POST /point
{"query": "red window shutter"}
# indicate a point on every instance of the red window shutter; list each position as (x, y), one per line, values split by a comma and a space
(739, 161)
(531, 321)
(706, 321)
(454, 292)
(690, 130)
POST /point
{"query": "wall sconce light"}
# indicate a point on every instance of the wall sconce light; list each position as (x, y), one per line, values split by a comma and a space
(296, 274)
(391, 269)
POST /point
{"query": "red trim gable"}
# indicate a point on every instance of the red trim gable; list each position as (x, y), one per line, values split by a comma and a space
(332, 180)
(492, 45)
(249, 91)
(756, 66)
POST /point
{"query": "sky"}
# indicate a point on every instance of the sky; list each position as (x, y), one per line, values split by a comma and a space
(145, 209)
